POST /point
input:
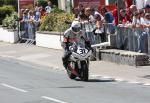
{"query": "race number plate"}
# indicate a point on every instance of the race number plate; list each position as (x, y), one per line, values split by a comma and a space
(82, 51)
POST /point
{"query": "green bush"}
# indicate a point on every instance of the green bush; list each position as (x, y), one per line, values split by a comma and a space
(5, 10)
(14, 3)
(10, 21)
(44, 3)
(55, 22)
(57, 10)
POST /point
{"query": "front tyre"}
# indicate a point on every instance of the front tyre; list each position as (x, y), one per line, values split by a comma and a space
(85, 71)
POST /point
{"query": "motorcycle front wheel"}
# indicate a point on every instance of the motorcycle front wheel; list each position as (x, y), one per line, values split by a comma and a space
(84, 71)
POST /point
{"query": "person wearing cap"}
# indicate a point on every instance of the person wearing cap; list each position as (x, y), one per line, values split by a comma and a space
(147, 8)
(71, 35)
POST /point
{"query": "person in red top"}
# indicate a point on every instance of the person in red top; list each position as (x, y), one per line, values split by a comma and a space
(115, 14)
(122, 19)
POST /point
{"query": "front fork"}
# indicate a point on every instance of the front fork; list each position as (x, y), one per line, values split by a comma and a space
(79, 68)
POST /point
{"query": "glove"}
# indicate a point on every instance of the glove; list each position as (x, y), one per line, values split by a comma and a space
(66, 46)
(88, 44)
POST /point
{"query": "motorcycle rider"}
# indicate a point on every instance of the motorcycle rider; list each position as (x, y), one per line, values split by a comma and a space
(71, 35)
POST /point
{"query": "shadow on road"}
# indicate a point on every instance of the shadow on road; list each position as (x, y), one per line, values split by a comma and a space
(72, 87)
(98, 80)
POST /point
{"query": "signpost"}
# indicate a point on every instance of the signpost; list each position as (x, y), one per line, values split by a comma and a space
(26, 4)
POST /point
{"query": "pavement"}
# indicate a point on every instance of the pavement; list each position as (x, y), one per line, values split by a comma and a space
(98, 69)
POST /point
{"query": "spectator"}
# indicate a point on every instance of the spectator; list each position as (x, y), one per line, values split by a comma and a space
(48, 8)
(140, 4)
(136, 19)
(25, 23)
(37, 20)
(89, 25)
(99, 30)
(109, 20)
(31, 26)
(115, 14)
(95, 12)
(76, 13)
(147, 20)
(143, 39)
(130, 12)
(123, 16)
(107, 15)
(142, 17)
(81, 8)
(27, 11)
(147, 8)
(92, 13)
(38, 9)
(21, 13)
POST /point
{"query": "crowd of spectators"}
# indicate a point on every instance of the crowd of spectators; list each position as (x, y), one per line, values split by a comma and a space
(93, 20)
(30, 19)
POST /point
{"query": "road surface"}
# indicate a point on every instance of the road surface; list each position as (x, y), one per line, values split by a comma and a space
(22, 82)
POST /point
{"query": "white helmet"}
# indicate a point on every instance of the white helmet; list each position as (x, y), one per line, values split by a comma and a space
(76, 26)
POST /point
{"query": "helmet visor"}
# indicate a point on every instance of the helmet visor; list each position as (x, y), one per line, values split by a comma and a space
(76, 29)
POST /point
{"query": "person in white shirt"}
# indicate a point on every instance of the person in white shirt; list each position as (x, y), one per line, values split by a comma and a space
(136, 19)
(140, 4)
(147, 17)
(48, 8)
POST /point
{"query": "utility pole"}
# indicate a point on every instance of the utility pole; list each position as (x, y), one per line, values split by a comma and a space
(68, 5)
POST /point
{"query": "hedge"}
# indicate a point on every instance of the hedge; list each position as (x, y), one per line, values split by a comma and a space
(55, 21)
(5, 10)
(10, 21)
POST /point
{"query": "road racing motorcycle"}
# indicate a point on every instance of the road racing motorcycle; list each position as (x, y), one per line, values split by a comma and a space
(78, 63)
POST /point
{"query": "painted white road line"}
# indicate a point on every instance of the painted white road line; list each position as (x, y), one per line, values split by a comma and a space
(17, 89)
(53, 99)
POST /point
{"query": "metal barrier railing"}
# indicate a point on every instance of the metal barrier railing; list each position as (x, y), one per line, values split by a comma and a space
(132, 39)
(27, 31)
(101, 36)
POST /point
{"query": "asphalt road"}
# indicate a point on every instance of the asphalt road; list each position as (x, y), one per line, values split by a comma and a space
(22, 82)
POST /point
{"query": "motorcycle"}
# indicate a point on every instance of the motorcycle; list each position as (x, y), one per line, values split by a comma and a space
(79, 61)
